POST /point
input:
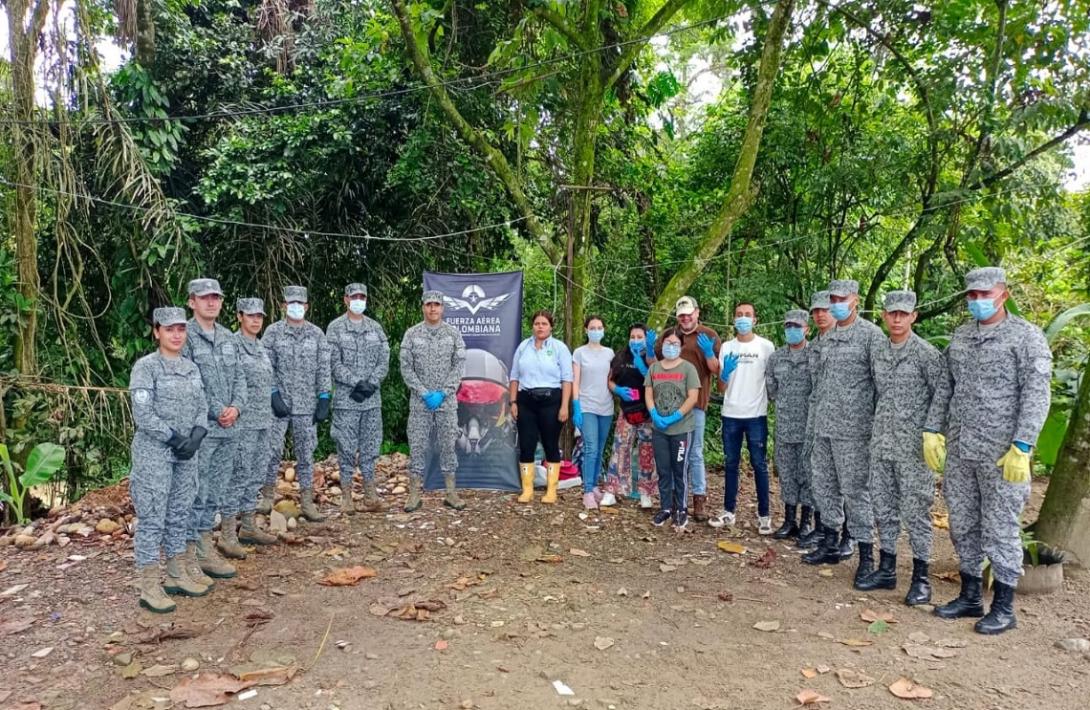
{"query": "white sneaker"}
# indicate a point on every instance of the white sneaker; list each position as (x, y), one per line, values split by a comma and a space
(646, 502)
(722, 518)
(764, 525)
(608, 499)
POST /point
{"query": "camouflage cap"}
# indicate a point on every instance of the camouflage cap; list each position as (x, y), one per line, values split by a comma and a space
(251, 306)
(820, 299)
(203, 287)
(168, 315)
(295, 294)
(796, 316)
(984, 278)
(843, 287)
(355, 290)
(686, 305)
(900, 301)
(432, 296)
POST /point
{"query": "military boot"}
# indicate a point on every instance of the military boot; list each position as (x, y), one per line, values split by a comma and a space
(885, 577)
(847, 544)
(210, 561)
(1000, 617)
(552, 480)
(452, 500)
(228, 542)
(347, 507)
(178, 582)
(526, 477)
(805, 527)
(250, 534)
(968, 603)
(371, 501)
(790, 527)
(265, 502)
(827, 552)
(152, 596)
(812, 539)
(866, 565)
(308, 507)
(414, 501)
(919, 589)
(193, 568)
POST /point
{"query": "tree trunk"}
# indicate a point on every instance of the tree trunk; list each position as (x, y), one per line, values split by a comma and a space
(1064, 521)
(145, 32)
(740, 195)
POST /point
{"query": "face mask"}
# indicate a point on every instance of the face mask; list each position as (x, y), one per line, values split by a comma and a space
(794, 335)
(840, 311)
(982, 308)
(595, 336)
(671, 351)
(743, 324)
(296, 311)
(637, 346)
(357, 306)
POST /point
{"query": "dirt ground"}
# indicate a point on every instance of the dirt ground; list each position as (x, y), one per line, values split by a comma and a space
(624, 614)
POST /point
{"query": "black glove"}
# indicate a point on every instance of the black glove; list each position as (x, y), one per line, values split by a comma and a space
(279, 408)
(357, 392)
(188, 449)
(321, 412)
(176, 441)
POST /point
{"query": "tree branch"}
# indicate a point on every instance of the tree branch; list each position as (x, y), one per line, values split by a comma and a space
(1081, 124)
(561, 25)
(650, 28)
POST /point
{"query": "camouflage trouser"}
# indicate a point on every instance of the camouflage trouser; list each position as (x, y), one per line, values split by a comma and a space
(793, 470)
(619, 471)
(215, 467)
(903, 492)
(357, 433)
(424, 427)
(841, 480)
(162, 492)
(304, 440)
(241, 493)
(985, 516)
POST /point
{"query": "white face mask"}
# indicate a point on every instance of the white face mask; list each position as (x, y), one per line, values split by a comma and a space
(296, 311)
(357, 306)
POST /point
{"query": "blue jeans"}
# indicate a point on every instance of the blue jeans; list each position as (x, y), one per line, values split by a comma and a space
(698, 475)
(596, 428)
(755, 431)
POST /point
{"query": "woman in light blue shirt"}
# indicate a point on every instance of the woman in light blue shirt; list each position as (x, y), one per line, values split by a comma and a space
(541, 379)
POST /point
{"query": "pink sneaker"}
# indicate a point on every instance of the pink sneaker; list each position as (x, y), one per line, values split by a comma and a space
(589, 501)
(598, 493)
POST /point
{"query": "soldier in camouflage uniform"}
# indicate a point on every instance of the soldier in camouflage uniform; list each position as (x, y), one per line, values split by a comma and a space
(432, 361)
(1000, 368)
(254, 424)
(912, 387)
(819, 311)
(212, 348)
(299, 353)
(787, 379)
(170, 414)
(359, 355)
(845, 413)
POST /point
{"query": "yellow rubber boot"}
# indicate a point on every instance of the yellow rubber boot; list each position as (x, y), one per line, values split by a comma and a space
(551, 480)
(526, 472)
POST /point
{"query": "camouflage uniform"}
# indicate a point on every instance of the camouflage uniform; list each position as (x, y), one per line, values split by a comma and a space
(845, 411)
(787, 379)
(167, 399)
(912, 387)
(300, 360)
(359, 352)
(432, 359)
(255, 422)
(216, 356)
(1000, 377)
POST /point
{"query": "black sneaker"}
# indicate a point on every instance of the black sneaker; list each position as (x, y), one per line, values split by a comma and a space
(681, 519)
(661, 518)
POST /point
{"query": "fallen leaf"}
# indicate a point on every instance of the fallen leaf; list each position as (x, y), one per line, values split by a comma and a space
(908, 690)
(726, 597)
(257, 617)
(347, 576)
(855, 642)
(766, 560)
(3, 566)
(159, 670)
(810, 697)
(12, 591)
(576, 552)
(869, 615)
(878, 627)
(441, 645)
(927, 652)
(918, 637)
(430, 604)
(952, 643)
(167, 632)
(379, 609)
(131, 671)
(43, 652)
(809, 673)
(206, 689)
(550, 558)
(731, 547)
(272, 675)
(950, 576)
(602, 642)
(823, 669)
(853, 679)
(825, 572)
(767, 625)
(15, 626)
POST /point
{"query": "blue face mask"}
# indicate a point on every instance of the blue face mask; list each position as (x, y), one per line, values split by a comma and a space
(982, 308)
(637, 346)
(671, 351)
(743, 324)
(793, 334)
(296, 311)
(357, 306)
(840, 311)
(595, 335)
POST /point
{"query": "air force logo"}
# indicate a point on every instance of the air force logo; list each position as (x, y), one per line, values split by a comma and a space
(473, 300)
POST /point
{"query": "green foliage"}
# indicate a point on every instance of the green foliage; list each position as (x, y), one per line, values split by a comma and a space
(42, 463)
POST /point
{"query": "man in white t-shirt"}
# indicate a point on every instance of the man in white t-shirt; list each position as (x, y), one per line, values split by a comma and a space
(745, 413)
